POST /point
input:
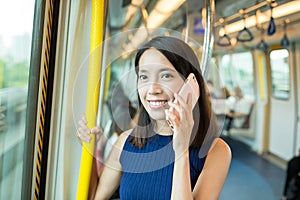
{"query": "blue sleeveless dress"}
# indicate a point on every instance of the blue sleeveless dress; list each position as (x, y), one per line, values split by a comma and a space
(148, 172)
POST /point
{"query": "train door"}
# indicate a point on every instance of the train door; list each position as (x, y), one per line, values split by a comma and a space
(282, 103)
(297, 90)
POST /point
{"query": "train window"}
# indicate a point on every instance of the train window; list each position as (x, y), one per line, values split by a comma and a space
(16, 19)
(237, 70)
(280, 72)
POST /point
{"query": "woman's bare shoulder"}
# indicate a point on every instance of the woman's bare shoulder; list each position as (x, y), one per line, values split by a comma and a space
(219, 146)
(114, 156)
(122, 139)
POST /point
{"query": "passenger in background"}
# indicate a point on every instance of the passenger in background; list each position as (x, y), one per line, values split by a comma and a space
(292, 183)
(221, 105)
(211, 89)
(153, 160)
(121, 108)
(239, 109)
(123, 114)
(224, 93)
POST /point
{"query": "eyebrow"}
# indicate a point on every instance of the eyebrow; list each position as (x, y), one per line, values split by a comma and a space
(161, 70)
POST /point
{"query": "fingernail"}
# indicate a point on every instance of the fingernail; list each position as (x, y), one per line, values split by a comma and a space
(170, 124)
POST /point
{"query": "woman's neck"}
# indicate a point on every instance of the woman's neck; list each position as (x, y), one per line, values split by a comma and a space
(162, 127)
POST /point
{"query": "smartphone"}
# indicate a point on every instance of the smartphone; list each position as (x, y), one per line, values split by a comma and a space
(190, 86)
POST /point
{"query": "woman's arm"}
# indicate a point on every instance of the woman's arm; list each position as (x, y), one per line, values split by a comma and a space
(212, 178)
(236, 115)
(215, 169)
(112, 170)
(181, 117)
(181, 185)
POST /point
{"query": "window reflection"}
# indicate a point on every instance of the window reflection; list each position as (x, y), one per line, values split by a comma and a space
(15, 45)
(280, 72)
(237, 69)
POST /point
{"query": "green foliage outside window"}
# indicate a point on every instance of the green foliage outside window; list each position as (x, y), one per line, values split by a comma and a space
(13, 74)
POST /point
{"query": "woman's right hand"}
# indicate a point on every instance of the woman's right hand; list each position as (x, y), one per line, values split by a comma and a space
(84, 132)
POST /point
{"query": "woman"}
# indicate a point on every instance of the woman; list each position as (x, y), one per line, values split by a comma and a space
(153, 160)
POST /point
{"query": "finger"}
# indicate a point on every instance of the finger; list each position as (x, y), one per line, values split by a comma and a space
(83, 133)
(82, 123)
(175, 109)
(83, 136)
(172, 117)
(186, 107)
(85, 139)
(174, 106)
(182, 106)
(96, 131)
(175, 101)
(179, 98)
(84, 129)
(181, 109)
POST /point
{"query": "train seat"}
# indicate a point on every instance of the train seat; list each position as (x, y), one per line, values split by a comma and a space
(248, 128)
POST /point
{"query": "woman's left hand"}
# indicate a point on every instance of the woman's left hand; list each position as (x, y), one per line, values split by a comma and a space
(183, 122)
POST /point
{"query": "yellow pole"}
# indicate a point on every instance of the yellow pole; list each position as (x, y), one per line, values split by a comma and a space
(96, 35)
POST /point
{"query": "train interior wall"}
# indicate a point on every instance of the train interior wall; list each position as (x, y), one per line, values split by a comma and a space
(277, 120)
(72, 93)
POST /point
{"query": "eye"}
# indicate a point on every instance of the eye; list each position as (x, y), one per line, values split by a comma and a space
(167, 76)
(143, 77)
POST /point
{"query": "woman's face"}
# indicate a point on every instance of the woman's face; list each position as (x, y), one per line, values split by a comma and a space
(157, 82)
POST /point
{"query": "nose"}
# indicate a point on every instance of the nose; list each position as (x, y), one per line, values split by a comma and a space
(155, 88)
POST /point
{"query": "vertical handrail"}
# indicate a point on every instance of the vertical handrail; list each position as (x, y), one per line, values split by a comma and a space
(96, 36)
(296, 96)
(208, 36)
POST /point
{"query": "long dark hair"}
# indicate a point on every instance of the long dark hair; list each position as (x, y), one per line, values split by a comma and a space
(183, 58)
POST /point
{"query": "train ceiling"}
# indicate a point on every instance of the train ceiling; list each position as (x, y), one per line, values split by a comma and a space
(126, 15)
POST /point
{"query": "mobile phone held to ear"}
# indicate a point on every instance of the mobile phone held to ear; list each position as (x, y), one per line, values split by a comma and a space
(190, 86)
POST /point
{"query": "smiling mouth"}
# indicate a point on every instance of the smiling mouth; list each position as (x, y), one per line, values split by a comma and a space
(157, 103)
